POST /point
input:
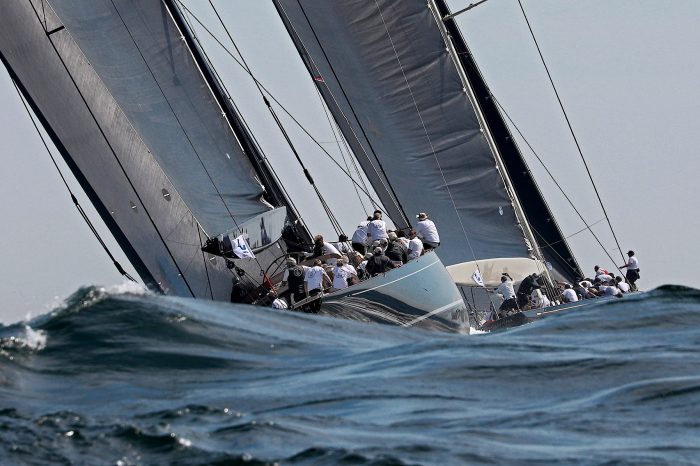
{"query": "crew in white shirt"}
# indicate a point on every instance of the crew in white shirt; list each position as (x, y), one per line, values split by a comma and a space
(324, 248)
(342, 273)
(427, 231)
(632, 274)
(376, 230)
(359, 238)
(569, 295)
(279, 303)
(506, 290)
(315, 276)
(624, 287)
(415, 245)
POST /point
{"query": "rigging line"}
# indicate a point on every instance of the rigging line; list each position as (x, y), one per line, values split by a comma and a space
(84, 215)
(111, 148)
(427, 135)
(204, 260)
(552, 177)
(167, 100)
(337, 130)
(571, 130)
(340, 150)
(330, 214)
(264, 158)
(274, 99)
(373, 161)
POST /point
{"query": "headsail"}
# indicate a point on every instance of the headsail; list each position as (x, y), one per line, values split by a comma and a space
(130, 109)
(394, 90)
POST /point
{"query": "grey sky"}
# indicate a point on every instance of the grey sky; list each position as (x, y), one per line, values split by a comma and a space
(626, 72)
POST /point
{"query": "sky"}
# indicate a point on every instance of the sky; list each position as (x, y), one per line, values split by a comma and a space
(626, 73)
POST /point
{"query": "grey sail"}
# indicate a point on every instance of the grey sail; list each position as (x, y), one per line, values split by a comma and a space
(138, 121)
(386, 75)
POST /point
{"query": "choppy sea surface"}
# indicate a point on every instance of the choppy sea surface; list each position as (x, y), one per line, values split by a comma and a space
(123, 377)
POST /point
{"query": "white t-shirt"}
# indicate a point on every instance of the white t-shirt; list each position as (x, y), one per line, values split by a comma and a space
(604, 277)
(360, 235)
(600, 272)
(343, 248)
(506, 290)
(340, 277)
(328, 248)
(586, 284)
(427, 231)
(632, 263)
(377, 230)
(569, 295)
(279, 303)
(314, 277)
(362, 265)
(624, 287)
(415, 247)
(610, 290)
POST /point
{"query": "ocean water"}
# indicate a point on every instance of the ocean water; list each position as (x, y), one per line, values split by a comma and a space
(122, 377)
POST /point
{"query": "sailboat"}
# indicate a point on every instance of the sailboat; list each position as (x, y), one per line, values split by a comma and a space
(405, 90)
(140, 116)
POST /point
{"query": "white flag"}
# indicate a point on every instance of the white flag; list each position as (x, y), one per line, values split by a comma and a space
(241, 248)
(476, 276)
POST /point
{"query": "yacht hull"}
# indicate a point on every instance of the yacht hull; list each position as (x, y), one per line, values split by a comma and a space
(420, 294)
(524, 317)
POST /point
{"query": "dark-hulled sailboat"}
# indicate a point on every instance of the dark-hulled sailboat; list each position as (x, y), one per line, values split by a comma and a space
(142, 120)
(408, 96)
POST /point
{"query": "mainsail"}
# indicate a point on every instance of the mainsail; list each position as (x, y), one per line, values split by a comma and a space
(385, 72)
(124, 94)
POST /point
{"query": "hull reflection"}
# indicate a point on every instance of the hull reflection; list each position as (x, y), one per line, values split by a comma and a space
(420, 294)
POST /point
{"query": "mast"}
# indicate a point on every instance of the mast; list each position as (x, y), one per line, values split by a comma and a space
(469, 89)
(549, 241)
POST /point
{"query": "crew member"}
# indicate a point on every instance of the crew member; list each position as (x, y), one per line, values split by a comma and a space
(294, 276)
(379, 263)
(632, 274)
(359, 238)
(568, 295)
(427, 232)
(528, 284)
(506, 290)
(314, 279)
(376, 230)
(415, 245)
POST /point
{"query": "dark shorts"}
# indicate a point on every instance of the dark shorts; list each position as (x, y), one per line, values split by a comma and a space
(508, 304)
(523, 299)
(632, 275)
(315, 305)
(359, 247)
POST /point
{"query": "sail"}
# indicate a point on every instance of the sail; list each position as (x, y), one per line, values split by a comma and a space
(546, 230)
(395, 92)
(132, 112)
(385, 73)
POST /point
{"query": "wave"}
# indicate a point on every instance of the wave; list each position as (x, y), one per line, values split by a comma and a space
(121, 375)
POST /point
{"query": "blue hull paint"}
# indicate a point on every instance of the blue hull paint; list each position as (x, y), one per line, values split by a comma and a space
(420, 294)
